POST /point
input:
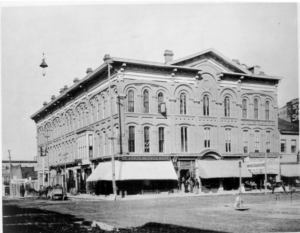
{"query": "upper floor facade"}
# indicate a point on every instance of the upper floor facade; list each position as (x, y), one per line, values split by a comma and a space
(185, 107)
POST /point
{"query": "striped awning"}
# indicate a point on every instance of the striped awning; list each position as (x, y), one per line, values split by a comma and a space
(135, 170)
(222, 169)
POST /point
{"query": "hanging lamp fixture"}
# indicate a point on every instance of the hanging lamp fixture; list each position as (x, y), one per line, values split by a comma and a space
(44, 65)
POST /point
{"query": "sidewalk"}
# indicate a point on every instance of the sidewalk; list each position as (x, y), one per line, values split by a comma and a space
(163, 195)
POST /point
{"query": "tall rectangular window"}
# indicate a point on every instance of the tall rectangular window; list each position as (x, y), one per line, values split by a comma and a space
(160, 100)
(228, 140)
(206, 105)
(146, 101)
(255, 109)
(245, 141)
(256, 141)
(293, 146)
(130, 101)
(268, 142)
(131, 139)
(207, 137)
(227, 106)
(184, 146)
(267, 110)
(183, 103)
(244, 106)
(161, 138)
(147, 139)
(283, 146)
(91, 145)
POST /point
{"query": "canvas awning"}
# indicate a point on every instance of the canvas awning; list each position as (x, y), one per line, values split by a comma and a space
(290, 170)
(222, 169)
(135, 170)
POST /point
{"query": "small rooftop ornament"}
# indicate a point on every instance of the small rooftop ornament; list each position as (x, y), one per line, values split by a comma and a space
(43, 65)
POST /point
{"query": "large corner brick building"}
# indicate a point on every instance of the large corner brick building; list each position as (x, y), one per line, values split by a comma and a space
(200, 107)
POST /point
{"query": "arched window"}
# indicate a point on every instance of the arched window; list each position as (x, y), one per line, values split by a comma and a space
(255, 108)
(227, 106)
(147, 139)
(130, 101)
(131, 139)
(183, 103)
(267, 110)
(146, 101)
(205, 105)
(244, 106)
(160, 99)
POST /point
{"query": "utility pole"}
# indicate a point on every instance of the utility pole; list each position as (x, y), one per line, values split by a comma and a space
(108, 61)
(266, 173)
(10, 174)
(46, 154)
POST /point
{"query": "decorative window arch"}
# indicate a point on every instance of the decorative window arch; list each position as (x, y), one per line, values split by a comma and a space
(227, 106)
(183, 106)
(146, 101)
(160, 99)
(255, 108)
(130, 101)
(267, 110)
(244, 108)
(206, 105)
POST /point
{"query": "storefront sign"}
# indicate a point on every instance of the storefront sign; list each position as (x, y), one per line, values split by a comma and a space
(295, 112)
(272, 165)
(256, 165)
(145, 158)
(263, 155)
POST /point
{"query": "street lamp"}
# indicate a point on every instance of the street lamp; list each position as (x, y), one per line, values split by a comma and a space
(44, 65)
(107, 60)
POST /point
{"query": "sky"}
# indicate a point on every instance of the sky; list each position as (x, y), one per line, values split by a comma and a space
(76, 37)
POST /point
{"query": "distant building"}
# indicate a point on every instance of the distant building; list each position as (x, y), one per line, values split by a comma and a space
(288, 125)
(21, 169)
(290, 112)
(166, 116)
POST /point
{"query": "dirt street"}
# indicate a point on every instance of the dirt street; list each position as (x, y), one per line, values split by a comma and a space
(173, 214)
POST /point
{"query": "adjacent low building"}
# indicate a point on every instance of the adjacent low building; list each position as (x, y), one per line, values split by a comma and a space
(160, 121)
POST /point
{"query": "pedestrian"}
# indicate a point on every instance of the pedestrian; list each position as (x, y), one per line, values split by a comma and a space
(283, 187)
(197, 187)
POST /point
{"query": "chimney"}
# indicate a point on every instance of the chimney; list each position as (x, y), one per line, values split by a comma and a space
(89, 70)
(53, 97)
(76, 80)
(45, 103)
(168, 56)
(61, 90)
(236, 61)
(244, 66)
(255, 70)
(65, 87)
(106, 57)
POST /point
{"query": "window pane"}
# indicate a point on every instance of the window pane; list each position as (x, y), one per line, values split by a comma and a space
(130, 101)
(146, 140)
(182, 103)
(131, 143)
(255, 109)
(146, 101)
(267, 111)
(293, 146)
(161, 137)
(160, 100)
(244, 108)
